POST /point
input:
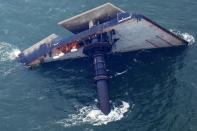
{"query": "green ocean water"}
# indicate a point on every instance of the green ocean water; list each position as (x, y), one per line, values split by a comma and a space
(153, 90)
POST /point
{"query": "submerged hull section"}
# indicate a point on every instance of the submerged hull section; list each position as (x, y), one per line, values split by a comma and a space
(132, 32)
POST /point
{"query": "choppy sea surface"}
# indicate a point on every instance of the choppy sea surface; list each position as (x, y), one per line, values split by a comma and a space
(151, 90)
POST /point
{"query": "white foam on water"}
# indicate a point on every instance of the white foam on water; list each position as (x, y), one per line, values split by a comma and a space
(120, 73)
(8, 52)
(186, 36)
(92, 115)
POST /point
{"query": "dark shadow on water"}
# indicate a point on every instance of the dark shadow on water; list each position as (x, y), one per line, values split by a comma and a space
(150, 83)
(145, 67)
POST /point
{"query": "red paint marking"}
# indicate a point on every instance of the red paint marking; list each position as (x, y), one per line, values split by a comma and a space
(170, 44)
(165, 33)
(153, 44)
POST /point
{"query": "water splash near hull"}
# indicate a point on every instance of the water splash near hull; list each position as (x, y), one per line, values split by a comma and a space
(8, 52)
(186, 36)
(92, 115)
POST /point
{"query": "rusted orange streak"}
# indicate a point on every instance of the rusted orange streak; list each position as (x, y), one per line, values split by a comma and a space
(170, 36)
(170, 44)
(153, 44)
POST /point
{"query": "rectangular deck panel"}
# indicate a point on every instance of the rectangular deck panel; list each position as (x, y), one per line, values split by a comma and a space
(80, 22)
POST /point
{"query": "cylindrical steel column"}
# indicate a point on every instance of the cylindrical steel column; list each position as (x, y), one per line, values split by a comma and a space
(101, 79)
(97, 51)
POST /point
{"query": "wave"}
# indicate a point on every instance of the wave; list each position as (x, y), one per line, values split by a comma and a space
(8, 52)
(92, 115)
(186, 36)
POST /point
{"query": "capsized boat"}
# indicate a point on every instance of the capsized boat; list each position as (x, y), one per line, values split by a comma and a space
(98, 32)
